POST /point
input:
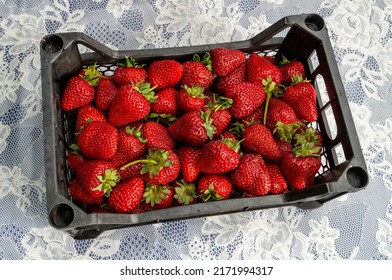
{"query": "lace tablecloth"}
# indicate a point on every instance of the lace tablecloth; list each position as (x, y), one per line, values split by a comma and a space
(354, 226)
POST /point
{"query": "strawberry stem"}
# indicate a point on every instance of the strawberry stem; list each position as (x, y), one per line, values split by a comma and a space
(210, 129)
(269, 88)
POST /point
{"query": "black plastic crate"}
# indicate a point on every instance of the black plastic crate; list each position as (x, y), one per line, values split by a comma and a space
(303, 37)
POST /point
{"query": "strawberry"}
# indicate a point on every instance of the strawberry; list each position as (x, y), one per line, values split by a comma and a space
(271, 59)
(246, 98)
(97, 177)
(77, 93)
(105, 93)
(291, 69)
(131, 104)
(164, 73)
(257, 138)
(307, 141)
(98, 140)
(157, 137)
(197, 72)
(158, 196)
(193, 128)
(287, 131)
(87, 114)
(236, 76)
(258, 68)
(190, 98)
(132, 171)
(166, 102)
(188, 157)
(251, 175)
(74, 158)
(214, 187)
(255, 117)
(129, 72)
(131, 145)
(302, 97)
(185, 193)
(91, 74)
(279, 184)
(284, 146)
(219, 156)
(127, 196)
(300, 171)
(78, 194)
(279, 111)
(226, 60)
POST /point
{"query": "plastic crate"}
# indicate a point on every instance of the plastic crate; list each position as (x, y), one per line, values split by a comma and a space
(303, 37)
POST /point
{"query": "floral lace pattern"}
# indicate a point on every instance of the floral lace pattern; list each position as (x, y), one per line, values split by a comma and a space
(355, 226)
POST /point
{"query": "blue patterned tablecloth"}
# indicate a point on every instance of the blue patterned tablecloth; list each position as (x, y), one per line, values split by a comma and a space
(354, 226)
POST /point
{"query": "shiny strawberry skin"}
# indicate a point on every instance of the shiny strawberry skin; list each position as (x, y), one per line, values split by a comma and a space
(164, 73)
(129, 106)
(87, 114)
(77, 93)
(278, 182)
(196, 74)
(157, 136)
(214, 187)
(236, 76)
(134, 170)
(279, 111)
(78, 194)
(166, 102)
(188, 157)
(258, 69)
(127, 196)
(226, 60)
(98, 140)
(294, 68)
(251, 175)
(187, 101)
(220, 120)
(129, 75)
(105, 93)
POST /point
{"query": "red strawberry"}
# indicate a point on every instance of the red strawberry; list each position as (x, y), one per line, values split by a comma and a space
(132, 171)
(127, 196)
(271, 59)
(302, 97)
(284, 146)
(307, 141)
(219, 106)
(279, 111)
(258, 69)
(74, 158)
(193, 128)
(214, 187)
(251, 175)
(219, 156)
(87, 114)
(98, 140)
(279, 184)
(91, 74)
(226, 60)
(105, 93)
(164, 73)
(158, 196)
(129, 72)
(166, 102)
(131, 104)
(78, 194)
(255, 117)
(236, 76)
(190, 98)
(197, 72)
(97, 177)
(246, 98)
(184, 193)
(291, 69)
(188, 157)
(131, 145)
(157, 136)
(300, 171)
(77, 93)
(258, 139)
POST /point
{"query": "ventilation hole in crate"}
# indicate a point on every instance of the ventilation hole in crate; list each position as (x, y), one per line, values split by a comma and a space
(314, 22)
(338, 154)
(321, 89)
(313, 61)
(357, 177)
(330, 122)
(61, 215)
(52, 43)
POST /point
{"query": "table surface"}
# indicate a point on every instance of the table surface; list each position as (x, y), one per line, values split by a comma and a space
(354, 226)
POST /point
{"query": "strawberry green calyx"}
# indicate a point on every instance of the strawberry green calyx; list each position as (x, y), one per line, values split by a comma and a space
(186, 192)
(137, 132)
(194, 91)
(284, 61)
(270, 89)
(154, 194)
(210, 194)
(210, 129)
(286, 132)
(296, 79)
(237, 128)
(307, 143)
(165, 118)
(131, 63)
(306, 149)
(74, 149)
(92, 75)
(147, 91)
(206, 61)
(219, 102)
(232, 144)
(108, 181)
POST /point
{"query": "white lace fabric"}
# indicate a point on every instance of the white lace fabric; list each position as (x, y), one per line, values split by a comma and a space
(354, 226)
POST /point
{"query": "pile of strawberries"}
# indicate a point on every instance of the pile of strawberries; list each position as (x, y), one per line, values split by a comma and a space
(225, 125)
